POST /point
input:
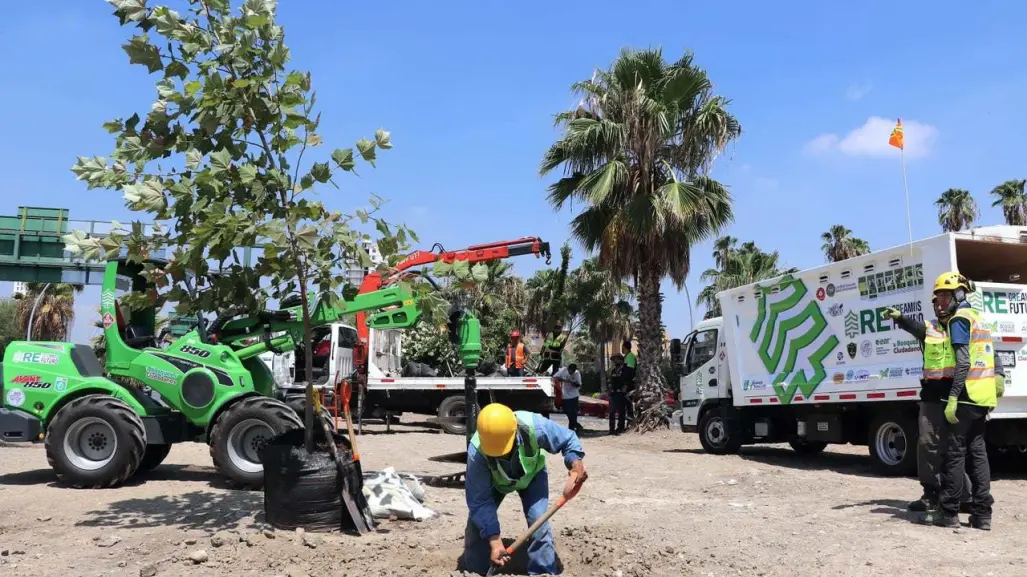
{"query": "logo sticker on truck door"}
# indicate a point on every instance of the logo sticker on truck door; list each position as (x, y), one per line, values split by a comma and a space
(790, 325)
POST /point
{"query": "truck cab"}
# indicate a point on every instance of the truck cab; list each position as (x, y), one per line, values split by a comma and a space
(703, 369)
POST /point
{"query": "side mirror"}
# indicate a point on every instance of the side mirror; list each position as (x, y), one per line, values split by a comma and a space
(675, 352)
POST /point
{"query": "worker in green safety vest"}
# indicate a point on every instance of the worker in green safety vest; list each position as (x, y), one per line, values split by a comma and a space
(552, 349)
(505, 456)
(966, 351)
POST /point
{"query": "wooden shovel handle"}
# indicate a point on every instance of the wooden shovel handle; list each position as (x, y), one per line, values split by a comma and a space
(347, 394)
(538, 522)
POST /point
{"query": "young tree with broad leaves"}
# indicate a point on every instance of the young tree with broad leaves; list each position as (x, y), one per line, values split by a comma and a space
(222, 161)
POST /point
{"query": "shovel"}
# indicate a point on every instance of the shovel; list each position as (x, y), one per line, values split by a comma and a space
(347, 393)
(534, 526)
(352, 497)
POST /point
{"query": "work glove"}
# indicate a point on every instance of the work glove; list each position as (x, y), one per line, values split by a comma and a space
(1000, 386)
(891, 314)
(575, 477)
(950, 410)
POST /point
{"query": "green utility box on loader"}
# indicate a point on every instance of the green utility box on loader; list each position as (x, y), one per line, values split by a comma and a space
(101, 427)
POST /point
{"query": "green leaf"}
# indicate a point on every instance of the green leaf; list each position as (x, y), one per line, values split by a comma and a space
(343, 157)
(480, 272)
(147, 195)
(113, 126)
(129, 10)
(295, 119)
(462, 269)
(256, 21)
(321, 172)
(383, 138)
(306, 237)
(247, 173)
(140, 51)
(442, 268)
(220, 161)
(313, 139)
(366, 148)
(192, 159)
(191, 88)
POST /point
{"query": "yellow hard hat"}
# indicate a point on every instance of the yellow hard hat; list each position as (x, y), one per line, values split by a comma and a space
(950, 281)
(497, 428)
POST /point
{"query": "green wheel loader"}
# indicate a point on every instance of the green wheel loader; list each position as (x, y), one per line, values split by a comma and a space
(101, 427)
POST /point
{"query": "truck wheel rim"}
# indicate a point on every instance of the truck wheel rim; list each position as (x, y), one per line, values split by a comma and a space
(890, 443)
(245, 441)
(715, 432)
(90, 443)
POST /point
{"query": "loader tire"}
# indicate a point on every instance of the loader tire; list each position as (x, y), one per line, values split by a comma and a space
(95, 442)
(299, 406)
(239, 434)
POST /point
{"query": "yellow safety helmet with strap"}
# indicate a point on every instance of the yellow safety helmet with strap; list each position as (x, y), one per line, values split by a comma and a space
(497, 429)
(953, 281)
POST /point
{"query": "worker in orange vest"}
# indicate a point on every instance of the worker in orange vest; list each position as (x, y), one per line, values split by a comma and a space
(516, 355)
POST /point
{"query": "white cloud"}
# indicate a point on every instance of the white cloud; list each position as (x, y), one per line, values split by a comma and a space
(858, 91)
(871, 140)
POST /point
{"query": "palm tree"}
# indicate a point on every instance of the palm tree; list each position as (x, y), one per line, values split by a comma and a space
(839, 244)
(742, 266)
(637, 152)
(1013, 201)
(54, 313)
(957, 210)
(547, 294)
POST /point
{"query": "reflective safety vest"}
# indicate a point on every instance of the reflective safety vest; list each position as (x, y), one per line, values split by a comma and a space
(554, 346)
(531, 457)
(939, 358)
(980, 381)
(515, 359)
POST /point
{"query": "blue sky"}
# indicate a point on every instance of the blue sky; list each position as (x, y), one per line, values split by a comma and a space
(468, 90)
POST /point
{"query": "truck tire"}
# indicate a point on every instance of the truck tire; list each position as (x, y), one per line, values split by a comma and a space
(241, 431)
(453, 407)
(152, 458)
(96, 441)
(718, 433)
(299, 406)
(892, 441)
(804, 447)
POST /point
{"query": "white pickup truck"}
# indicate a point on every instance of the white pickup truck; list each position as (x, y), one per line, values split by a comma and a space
(809, 359)
(388, 391)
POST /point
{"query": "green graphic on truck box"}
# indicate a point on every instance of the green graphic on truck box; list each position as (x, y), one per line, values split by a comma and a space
(787, 330)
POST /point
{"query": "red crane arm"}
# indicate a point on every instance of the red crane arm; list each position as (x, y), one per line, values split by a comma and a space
(472, 254)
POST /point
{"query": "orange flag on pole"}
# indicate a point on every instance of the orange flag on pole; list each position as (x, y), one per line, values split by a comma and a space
(896, 136)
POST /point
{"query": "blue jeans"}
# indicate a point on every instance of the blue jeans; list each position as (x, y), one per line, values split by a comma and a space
(570, 408)
(541, 552)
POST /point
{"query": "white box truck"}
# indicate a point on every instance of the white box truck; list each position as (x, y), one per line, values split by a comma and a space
(389, 391)
(809, 359)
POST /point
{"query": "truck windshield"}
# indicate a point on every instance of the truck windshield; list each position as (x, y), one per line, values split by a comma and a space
(347, 337)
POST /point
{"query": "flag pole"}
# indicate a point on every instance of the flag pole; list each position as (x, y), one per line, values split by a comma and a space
(905, 187)
(898, 140)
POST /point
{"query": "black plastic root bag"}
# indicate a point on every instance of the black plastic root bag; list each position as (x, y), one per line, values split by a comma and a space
(305, 490)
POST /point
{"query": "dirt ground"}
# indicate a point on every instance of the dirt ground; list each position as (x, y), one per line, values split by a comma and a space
(654, 505)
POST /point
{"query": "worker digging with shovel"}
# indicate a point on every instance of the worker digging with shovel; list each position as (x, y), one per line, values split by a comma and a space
(505, 455)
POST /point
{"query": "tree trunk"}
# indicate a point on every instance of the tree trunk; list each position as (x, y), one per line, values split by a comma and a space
(602, 368)
(650, 408)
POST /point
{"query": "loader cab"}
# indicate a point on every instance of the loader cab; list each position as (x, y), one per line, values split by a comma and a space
(127, 331)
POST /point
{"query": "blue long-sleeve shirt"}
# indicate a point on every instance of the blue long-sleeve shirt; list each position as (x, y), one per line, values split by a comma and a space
(552, 438)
